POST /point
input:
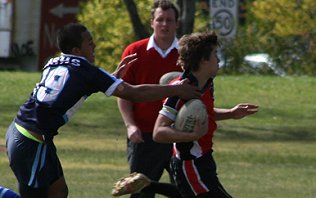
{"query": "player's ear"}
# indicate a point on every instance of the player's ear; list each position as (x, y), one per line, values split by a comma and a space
(152, 23)
(178, 23)
(76, 51)
(202, 61)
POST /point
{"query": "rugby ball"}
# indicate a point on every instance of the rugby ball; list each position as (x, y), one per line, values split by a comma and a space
(189, 113)
(168, 77)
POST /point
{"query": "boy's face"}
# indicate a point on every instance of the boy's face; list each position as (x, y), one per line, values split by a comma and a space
(212, 63)
(87, 46)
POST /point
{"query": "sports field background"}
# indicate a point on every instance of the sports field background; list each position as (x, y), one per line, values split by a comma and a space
(270, 154)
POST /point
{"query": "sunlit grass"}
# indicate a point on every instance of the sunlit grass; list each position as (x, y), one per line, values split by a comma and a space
(270, 154)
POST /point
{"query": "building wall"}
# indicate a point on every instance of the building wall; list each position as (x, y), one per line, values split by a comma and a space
(25, 43)
(19, 30)
(28, 30)
(6, 11)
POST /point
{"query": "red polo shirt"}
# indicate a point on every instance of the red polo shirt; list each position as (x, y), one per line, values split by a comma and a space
(148, 69)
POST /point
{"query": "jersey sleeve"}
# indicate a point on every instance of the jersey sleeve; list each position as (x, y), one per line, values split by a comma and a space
(170, 108)
(105, 82)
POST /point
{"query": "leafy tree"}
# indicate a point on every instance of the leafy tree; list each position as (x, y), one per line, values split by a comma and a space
(115, 24)
(187, 11)
(138, 26)
(288, 27)
(285, 29)
(287, 17)
(112, 30)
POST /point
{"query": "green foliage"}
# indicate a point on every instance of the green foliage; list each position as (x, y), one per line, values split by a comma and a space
(286, 30)
(236, 49)
(287, 17)
(291, 26)
(202, 20)
(283, 29)
(110, 25)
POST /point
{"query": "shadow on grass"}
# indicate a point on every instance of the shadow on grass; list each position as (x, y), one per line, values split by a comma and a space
(268, 134)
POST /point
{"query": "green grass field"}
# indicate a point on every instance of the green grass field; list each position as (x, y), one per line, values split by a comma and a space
(269, 155)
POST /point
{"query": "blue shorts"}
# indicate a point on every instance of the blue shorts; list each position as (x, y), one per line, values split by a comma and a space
(34, 164)
(197, 177)
(7, 193)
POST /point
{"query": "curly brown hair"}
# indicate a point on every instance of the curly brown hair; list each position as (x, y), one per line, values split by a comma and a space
(195, 47)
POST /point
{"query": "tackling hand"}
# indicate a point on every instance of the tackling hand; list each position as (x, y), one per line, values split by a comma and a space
(123, 65)
(188, 91)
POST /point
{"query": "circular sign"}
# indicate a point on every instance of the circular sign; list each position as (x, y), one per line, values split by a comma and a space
(223, 21)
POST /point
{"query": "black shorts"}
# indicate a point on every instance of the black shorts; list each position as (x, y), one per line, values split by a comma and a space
(149, 157)
(34, 164)
(197, 177)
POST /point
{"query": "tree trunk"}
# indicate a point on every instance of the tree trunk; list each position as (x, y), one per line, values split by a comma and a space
(187, 11)
(139, 29)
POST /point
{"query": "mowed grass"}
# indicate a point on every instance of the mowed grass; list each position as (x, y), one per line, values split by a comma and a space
(270, 154)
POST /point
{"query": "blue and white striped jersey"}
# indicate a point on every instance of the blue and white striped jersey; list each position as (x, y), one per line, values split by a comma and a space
(66, 82)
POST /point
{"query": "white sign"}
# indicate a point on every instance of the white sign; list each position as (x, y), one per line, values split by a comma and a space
(224, 17)
(62, 10)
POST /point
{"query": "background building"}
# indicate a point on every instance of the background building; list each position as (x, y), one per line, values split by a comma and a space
(28, 30)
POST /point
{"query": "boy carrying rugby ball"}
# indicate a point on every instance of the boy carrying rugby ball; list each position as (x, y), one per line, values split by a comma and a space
(192, 165)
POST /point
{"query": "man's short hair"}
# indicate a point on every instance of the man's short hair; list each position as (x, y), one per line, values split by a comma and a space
(164, 5)
(70, 37)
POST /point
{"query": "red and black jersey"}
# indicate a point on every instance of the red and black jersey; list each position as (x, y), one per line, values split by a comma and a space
(171, 106)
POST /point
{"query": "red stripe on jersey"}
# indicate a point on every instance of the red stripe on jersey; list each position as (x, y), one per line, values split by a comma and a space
(193, 177)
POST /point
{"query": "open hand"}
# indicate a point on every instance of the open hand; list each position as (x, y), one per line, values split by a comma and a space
(123, 65)
(244, 109)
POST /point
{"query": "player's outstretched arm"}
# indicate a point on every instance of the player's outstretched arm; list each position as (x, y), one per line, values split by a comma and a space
(151, 92)
(237, 112)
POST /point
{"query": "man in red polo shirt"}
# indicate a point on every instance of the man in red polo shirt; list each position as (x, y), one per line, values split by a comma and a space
(156, 56)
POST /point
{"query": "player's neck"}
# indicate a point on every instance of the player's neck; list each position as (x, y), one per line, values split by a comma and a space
(164, 43)
(201, 77)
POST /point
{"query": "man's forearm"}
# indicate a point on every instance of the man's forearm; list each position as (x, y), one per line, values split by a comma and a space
(126, 110)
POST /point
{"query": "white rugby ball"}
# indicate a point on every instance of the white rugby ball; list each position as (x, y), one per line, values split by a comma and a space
(167, 77)
(189, 113)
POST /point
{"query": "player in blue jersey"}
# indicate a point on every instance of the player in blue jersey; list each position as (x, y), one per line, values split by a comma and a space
(66, 82)
(7, 193)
